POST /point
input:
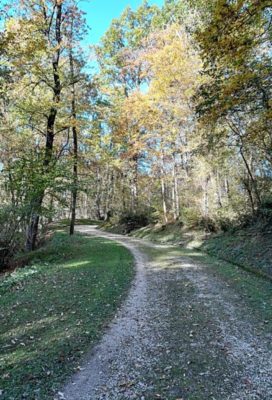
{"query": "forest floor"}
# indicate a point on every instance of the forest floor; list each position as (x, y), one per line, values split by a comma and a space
(249, 247)
(192, 328)
(55, 308)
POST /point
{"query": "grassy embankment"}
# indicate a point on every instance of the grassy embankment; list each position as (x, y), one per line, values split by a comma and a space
(53, 310)
(189, 316)
(250, 248)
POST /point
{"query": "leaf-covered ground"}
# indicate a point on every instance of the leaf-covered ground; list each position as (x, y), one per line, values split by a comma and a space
(192, 328)
(250, 248)
(55, 309)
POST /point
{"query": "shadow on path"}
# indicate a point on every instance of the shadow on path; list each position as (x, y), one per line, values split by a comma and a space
(181, 334)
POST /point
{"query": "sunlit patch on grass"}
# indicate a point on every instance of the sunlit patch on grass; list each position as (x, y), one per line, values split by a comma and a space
(55, 309)
(76, 264)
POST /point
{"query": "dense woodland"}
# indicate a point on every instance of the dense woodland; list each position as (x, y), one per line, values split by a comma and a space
(167, 119)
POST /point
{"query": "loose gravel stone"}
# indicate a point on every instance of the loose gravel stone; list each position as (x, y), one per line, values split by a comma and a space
(181, 334)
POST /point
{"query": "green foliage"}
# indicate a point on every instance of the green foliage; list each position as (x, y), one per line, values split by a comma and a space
(266, 209)
(132, 221)
(177, 118)
(12, 224)
(248, 247)
(36, 117)
(125, 35)
(236, 49)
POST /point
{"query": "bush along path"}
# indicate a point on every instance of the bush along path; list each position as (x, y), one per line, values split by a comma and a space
(192, 328)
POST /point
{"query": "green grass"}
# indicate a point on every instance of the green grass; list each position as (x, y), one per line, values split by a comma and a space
(55, 309)
(79, 221)
(167, 234)
(188, 314)
(250, 249)
(170, 234)
(255, 291)
(224, 255)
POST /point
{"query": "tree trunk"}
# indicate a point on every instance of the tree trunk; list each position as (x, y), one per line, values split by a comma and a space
(134, 185)
(75, 142)
(227, 188)
(206, 197)
(175, 191)
(164, 200)
(251, 177)
(250, 195)
(75, 181)
(98, 194)
(32, 229)
(110, 182)
(163, 191)
(218, 191)
(123, 178)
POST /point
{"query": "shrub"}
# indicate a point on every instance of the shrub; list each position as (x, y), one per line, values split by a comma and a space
(208, 224)
(11, 234)
(265, 209)
(131, 221)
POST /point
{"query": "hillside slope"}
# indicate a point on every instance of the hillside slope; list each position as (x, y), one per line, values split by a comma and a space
(250, 247)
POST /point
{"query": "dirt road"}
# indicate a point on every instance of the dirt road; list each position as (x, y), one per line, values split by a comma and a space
(181, 334)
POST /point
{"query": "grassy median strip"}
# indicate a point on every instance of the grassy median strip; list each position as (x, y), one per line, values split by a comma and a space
(53, 310)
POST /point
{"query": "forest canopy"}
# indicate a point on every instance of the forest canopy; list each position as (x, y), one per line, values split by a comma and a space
(172, 124)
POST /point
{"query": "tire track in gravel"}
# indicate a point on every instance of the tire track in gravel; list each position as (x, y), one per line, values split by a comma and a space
(179, 335)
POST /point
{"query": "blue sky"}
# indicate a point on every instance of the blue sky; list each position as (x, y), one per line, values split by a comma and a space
(99, 14)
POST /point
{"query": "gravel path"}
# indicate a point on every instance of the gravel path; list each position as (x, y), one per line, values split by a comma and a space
(180, 335)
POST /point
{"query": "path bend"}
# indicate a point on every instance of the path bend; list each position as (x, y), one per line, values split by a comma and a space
(181, 334)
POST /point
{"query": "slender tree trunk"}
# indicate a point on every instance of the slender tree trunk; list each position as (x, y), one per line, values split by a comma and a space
(174, 202)
(123, 178)
(163, 190)
(218, 190)
(109, 196)
(206, 197)
(250, 195)
(175, 191)
(32, 229)
(227, 189)
(75, 181)
(75, 143)
(253, 181)
(164, 206)
(174, 211)
(33, 226)
(50, 219)
(134, 185)
(105, 191)
(98, 194)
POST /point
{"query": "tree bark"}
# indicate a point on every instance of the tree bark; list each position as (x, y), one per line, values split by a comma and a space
(110, 185)
(75, 180)
(33, 226)
(164, 205)
(75, 142)
(206, 197)
(218, 190)
(176, 210)
(98, 194)
(253, 181)
(134, 184)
